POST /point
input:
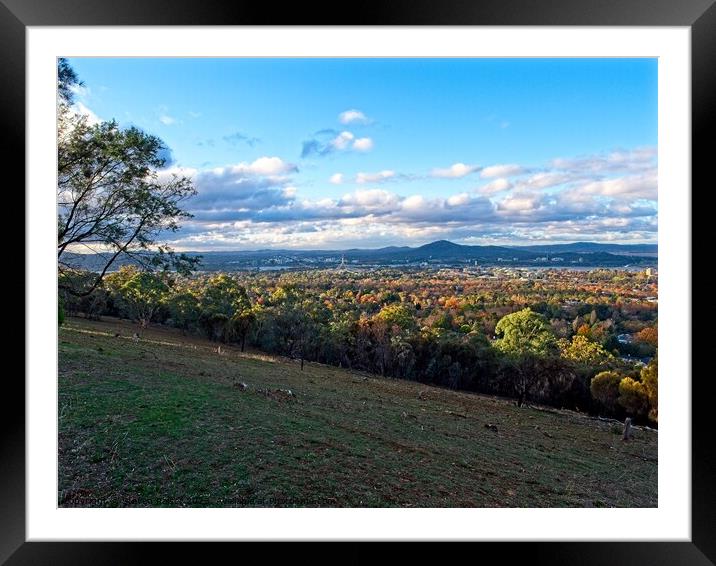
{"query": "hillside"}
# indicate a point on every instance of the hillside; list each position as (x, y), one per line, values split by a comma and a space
(166, 422)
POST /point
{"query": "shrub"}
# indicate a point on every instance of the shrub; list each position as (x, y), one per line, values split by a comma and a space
(633, 396)
(605, 388)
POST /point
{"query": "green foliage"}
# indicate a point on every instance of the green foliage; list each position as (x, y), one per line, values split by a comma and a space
(633, 397)
(226, 312)
(183, 307)
(584, 351)
(142, 292)
(604, 388)
(397, 315)
(650, 379)
(524, 332)
(67, 80)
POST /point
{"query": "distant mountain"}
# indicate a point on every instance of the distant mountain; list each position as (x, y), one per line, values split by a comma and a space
(592, 247)
(441, 246)
(441, 252)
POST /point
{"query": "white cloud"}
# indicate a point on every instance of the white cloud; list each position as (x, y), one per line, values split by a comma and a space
(342, 140)
(267, 166)
(353, 117)
(638, 159)
(255, 204)
(363, 144)
(81, 109)
(363, 178)
(643, 186)
(455, 171)
(458, 200)
(167, 120)
(414, 202)
(546, 179)
(370, 198)
(520, 203)
(496, 186)
(82, 91)
(508, 170)
(320, 145)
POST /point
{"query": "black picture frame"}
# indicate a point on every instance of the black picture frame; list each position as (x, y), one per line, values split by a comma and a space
(699, 15)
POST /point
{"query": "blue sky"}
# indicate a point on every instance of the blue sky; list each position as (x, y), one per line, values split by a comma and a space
(338, 153)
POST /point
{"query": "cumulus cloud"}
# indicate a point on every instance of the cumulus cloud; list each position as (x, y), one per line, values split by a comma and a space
(458, 200)
(353, 117)
(342, 140)
(509, 170)
(627, 188)
(611, 197)
(455, 209)
(370, 200)
(546, 179)
(378, 177)
(363, 144)
(455, 171)
(266, 166)
(522, 203)
(82, 94)
(496, 186)
(236, 191)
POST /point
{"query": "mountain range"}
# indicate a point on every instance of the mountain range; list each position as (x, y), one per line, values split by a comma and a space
(440, 252)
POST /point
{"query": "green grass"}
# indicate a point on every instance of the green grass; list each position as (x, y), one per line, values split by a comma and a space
(162, 422)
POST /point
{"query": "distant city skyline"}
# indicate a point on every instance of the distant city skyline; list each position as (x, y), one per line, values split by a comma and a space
(365, 153)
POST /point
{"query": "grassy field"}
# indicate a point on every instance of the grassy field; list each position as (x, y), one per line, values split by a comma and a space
(165, 422)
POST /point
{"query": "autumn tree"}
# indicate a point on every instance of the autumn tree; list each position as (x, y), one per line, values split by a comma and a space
(397, 315)
(584, 351)
(648, 335)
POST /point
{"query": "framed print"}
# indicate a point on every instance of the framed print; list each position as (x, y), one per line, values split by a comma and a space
(393, 277)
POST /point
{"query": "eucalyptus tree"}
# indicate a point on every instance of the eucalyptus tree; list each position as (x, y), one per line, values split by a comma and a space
(525, 339)
(114, 194)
